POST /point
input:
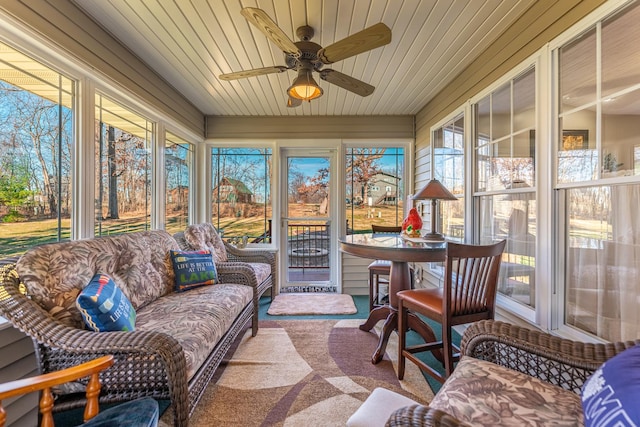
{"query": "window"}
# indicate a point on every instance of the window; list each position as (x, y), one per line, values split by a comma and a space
(36, 149)
(178, 158)
(597, 158)
(448, 154)
(241, 196)
(504, 146)
(374, 187)
(123, 169)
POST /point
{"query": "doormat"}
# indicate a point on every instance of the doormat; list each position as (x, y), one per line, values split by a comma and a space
(308, 288)
(311, 303)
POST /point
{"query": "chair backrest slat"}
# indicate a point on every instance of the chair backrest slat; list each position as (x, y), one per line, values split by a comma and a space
(471, 278)
(386, 229)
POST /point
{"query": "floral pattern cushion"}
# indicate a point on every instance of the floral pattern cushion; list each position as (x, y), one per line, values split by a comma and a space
(262, 271)
(204, 236)
(197, 319)
(138, 263)
(484, 394)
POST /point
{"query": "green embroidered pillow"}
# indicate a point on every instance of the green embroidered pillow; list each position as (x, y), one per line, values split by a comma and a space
(193, 269)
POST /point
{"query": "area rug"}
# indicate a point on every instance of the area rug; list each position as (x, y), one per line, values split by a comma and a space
(311, 303)
(302, 373)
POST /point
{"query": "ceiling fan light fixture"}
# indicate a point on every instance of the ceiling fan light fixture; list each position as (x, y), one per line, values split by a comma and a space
(293, 102)
(304, 87)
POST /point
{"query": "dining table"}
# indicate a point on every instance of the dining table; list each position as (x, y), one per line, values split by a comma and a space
(400, 250)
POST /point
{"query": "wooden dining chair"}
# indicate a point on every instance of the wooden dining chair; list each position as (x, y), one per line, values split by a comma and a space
(140, 412)
(468, 295)
(379, 269)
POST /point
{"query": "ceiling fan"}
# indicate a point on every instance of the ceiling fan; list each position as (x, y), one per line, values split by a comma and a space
(305, 57)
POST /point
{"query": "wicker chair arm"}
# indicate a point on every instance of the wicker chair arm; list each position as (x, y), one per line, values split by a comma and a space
(556, 360)
(250, 255)
(237, 272)
(422, 416)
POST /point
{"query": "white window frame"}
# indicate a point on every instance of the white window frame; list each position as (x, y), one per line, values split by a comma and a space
(529, 314)
(275, 180)
(558, 190)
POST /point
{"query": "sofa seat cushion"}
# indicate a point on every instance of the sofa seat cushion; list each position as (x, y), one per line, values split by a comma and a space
(484, 394)
(262, 270)
(197, 319)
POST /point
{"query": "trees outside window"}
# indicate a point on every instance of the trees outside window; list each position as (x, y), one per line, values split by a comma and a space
(241, 193)
(374, 187)
(36, 119)
(123, 169)
(178, 160)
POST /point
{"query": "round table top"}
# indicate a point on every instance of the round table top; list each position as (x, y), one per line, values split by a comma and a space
(393, 247)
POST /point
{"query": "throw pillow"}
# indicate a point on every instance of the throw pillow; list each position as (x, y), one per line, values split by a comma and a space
(104, 307)
(610, 396)
(193, 269)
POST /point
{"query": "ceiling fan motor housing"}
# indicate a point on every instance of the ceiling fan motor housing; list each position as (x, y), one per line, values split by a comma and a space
(308, 56)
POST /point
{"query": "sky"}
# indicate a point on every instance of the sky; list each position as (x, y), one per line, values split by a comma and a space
(310, 165)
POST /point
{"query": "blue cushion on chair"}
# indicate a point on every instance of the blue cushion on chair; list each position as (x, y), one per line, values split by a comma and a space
(104, 307)
(610, 396)
(193, 269)
(142, 412)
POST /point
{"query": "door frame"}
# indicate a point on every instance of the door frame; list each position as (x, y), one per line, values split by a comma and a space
(314, 149)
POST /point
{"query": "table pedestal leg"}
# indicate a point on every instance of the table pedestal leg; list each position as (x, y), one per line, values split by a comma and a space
(376, 315)
(390, 324)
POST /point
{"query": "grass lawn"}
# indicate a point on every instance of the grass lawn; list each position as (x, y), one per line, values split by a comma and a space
(17, 237)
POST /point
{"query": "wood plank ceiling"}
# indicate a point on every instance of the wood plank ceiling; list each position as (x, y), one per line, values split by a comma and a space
(191, 42)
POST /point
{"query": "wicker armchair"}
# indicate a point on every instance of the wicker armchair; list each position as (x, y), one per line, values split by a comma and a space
(554, 360)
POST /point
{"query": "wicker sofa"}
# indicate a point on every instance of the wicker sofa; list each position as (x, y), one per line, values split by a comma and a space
(510, 375)
(179, 338)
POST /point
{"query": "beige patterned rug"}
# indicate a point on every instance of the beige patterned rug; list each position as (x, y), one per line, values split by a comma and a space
(311, 303)
(302, 373)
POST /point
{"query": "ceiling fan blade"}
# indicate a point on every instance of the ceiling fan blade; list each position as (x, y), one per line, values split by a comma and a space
(264, 23)
(370, 38)
(347, 82)
(293, 102)
(252, 73)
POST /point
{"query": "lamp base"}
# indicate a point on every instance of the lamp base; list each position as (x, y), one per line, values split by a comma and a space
(433, 236)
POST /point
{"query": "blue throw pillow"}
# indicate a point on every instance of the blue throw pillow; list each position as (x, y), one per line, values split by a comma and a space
(611, 396)
(104, 307)
(193, 269)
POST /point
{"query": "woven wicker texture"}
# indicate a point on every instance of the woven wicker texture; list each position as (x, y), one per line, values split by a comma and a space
(146, 363)
(555, 360)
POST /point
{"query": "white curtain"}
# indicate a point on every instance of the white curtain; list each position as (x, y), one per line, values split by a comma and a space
(603, 276)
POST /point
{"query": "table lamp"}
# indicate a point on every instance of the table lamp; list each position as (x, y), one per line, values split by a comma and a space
(434, 191)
